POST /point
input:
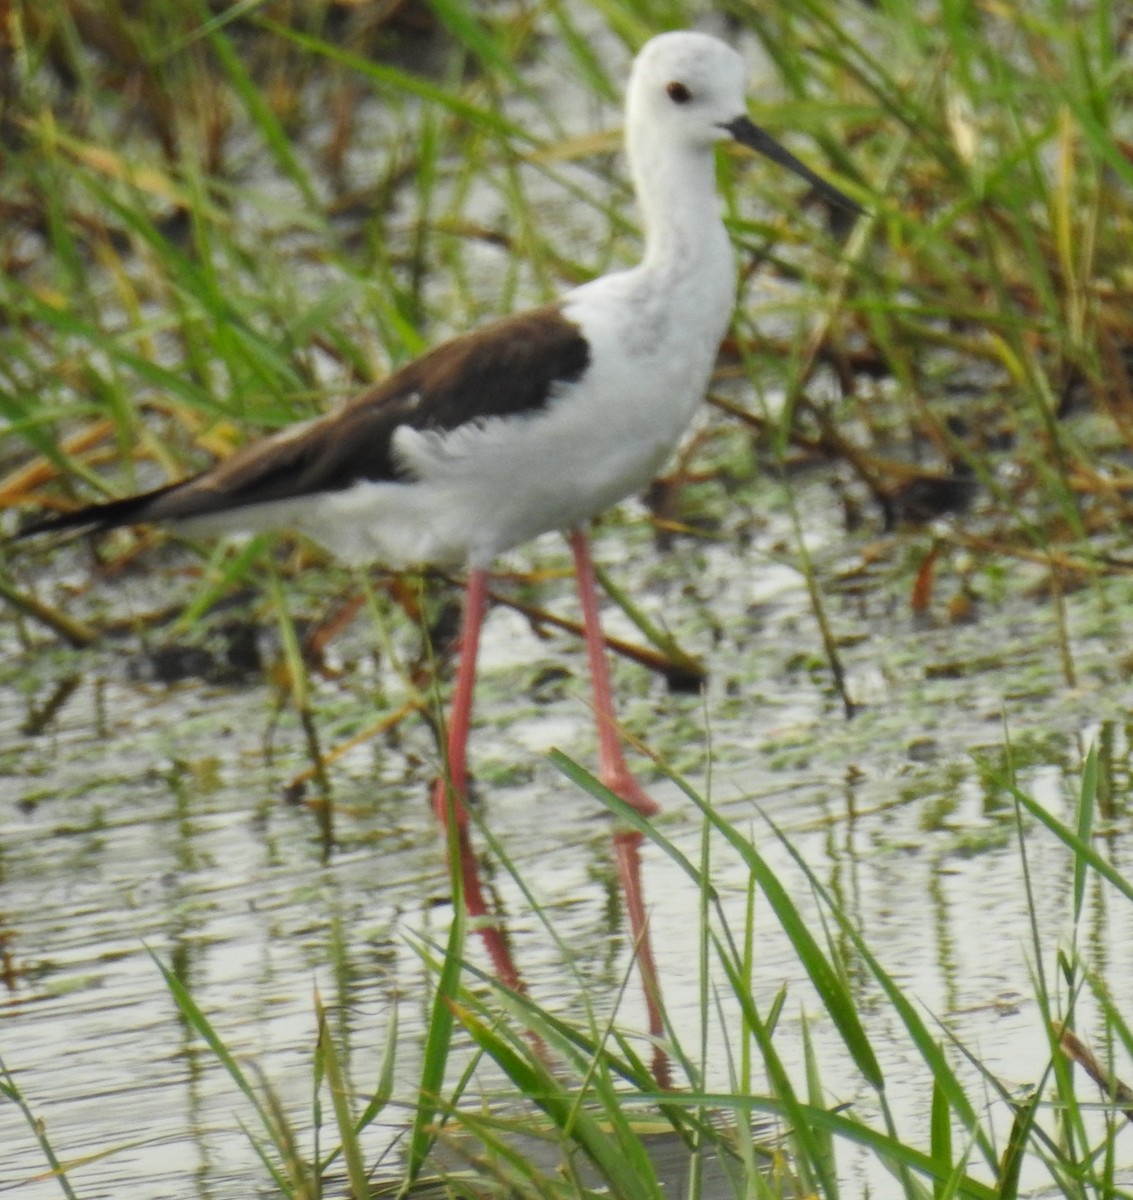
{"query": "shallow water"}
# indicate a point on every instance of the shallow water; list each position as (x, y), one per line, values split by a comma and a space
(147, 819)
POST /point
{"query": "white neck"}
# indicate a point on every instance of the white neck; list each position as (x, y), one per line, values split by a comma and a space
(688, 259)
(676, 190)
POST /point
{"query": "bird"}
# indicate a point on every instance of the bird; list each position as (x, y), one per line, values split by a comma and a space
(535, 422)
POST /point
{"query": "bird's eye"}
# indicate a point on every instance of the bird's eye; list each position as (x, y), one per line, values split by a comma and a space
(678, 93)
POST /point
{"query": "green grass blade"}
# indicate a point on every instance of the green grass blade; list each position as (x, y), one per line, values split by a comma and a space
(1010, 1169)
(942, 1073)
(940, 1140)
(224, 571)
(263, 118)
(382, 76)
(11, 1092)
(624, 1165)
(1083, 851)
(621, 810)
(463, 22)
(1087, 798)
(827, 981)
(384, 1091)
(438, 1038)
(809, 1142)
(822, 1140)
(197, 1021)
(340, 1099)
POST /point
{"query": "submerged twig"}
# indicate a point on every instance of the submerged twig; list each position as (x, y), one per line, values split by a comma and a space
(73, 631)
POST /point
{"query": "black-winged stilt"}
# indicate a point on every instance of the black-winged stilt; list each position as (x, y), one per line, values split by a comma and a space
(536, 422)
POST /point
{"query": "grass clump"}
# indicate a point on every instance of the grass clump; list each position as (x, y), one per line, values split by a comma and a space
(223, 221)
(180, 275)
(573, 1105)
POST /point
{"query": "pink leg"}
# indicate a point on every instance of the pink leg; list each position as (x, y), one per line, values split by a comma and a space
(615, 775)
(627, 846)
(452, 788)
(460, 718)
(612, 769)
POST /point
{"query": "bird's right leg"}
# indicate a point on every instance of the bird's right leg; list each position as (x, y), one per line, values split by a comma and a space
(612, 768)
(451, 792)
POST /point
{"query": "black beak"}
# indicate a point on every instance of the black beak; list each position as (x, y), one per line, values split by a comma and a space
(747, 133)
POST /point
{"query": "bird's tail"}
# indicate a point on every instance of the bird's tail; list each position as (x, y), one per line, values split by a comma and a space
(130, 510)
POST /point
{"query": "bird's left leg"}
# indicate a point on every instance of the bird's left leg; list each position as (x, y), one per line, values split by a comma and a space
(452, 788)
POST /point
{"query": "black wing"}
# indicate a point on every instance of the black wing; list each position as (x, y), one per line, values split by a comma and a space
(509, 367)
